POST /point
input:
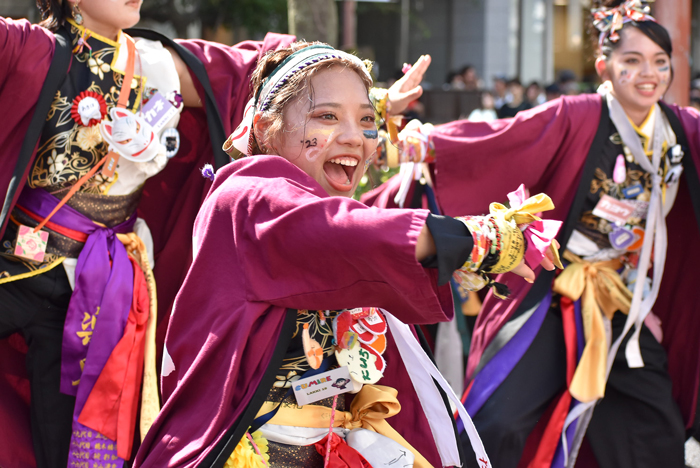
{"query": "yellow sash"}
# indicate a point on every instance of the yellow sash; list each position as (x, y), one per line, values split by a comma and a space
(601, 288)
(369, 410)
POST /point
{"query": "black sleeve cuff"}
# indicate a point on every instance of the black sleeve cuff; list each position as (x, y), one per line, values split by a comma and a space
(453, 243)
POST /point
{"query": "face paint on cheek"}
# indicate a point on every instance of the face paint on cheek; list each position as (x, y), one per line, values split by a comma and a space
(370, 134)
(315, 142)
(625, 77)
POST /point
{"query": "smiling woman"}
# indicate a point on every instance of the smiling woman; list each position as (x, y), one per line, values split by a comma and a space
(608, 349)
(103, 128)
(292, 278)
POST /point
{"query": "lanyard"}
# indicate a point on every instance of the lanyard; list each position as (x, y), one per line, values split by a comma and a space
(111, 157)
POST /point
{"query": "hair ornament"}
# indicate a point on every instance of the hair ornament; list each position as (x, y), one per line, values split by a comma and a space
(610, 20)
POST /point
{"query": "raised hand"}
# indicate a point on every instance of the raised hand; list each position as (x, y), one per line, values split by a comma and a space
(408, 88)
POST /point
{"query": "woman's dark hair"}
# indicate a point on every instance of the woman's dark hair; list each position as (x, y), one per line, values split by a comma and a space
(53, 13)
(651, 29)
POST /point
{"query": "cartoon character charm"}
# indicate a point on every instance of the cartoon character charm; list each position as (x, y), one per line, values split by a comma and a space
(130, 135)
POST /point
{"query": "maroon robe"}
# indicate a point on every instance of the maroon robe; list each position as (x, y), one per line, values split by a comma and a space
(170, 200)
(545, 148)
(268, 238)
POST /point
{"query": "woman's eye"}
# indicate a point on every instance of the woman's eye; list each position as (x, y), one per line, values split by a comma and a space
(632, 61)
(327, 116)
(368, 118)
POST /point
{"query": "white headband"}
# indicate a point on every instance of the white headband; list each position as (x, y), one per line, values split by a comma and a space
(303, 58)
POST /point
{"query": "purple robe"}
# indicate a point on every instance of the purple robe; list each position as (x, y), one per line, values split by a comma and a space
(169, 202)
(545, 148)
(267, 239)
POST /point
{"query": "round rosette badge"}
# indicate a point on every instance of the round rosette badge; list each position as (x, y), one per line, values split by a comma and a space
(88, 109)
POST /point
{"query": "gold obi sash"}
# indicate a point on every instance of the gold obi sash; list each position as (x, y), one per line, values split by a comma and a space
(601, 290)
(369, 410)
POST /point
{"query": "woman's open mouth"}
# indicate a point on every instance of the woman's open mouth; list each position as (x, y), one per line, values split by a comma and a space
(340, 171)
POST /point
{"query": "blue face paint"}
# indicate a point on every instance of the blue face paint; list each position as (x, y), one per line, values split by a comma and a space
(664, 69)
(370, 134)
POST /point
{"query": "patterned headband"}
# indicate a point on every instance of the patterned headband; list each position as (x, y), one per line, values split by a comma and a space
(240, 139)
(610, 20)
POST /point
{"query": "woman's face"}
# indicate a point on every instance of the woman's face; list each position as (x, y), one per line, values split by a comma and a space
(106, 17)
(639, 70)
(331, 135)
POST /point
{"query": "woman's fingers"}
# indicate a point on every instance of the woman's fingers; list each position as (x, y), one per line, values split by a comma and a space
(547, 264)
(414, 76)
(408, 88)
(524, 271)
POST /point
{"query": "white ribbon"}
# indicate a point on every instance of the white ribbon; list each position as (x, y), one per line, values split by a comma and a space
(422, 371)
(655, 238)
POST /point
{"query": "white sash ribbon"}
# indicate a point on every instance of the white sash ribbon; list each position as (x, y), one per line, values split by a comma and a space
(422, 371)
(655, 239)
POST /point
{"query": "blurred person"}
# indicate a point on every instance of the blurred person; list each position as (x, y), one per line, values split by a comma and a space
(471, 80)
(517, 102)
(552, 91)
(500, 91)
(535, 94)
(487, 111)
(568, 83)
(454, 81)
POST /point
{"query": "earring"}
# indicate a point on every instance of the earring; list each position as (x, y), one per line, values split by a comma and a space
(77, 14)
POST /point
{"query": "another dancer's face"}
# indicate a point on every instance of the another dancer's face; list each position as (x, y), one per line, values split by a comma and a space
(639, 70)
(330, 133)
(107, 17)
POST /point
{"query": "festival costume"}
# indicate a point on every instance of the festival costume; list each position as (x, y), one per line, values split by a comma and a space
(107, 378)
(524, 352)
(277, 258)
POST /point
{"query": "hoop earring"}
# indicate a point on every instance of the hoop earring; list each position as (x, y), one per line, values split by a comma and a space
(77, 14)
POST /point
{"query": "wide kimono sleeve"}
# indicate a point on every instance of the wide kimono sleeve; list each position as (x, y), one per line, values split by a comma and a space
(229, 69)
(480, 162)
(26, 51)
(172, 198)
(299, 248)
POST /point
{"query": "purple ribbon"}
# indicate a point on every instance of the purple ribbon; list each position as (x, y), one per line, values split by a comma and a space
(97, 312)
(499, 367)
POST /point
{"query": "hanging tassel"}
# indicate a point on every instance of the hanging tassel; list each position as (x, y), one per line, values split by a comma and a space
(500, 290)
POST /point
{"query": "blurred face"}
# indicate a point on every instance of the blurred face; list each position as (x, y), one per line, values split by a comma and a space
(107, 17)
(517, 91)
(639, 70)
(499, 86)
(333, 138)
(532, 93)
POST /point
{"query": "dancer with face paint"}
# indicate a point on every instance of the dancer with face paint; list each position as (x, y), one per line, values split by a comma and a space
(115, 125)
(608, 349)
(293, 286)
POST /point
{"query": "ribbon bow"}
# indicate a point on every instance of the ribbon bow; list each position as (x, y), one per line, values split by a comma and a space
(601, 288)
(369, 410)
(610, 20)
(539, 233)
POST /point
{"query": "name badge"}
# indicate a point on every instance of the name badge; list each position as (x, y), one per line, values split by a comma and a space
(324, 385)
(615, 211)
(158, 111)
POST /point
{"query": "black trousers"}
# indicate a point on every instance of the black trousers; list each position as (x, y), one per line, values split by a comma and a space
(636, 425)
(36, 307)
